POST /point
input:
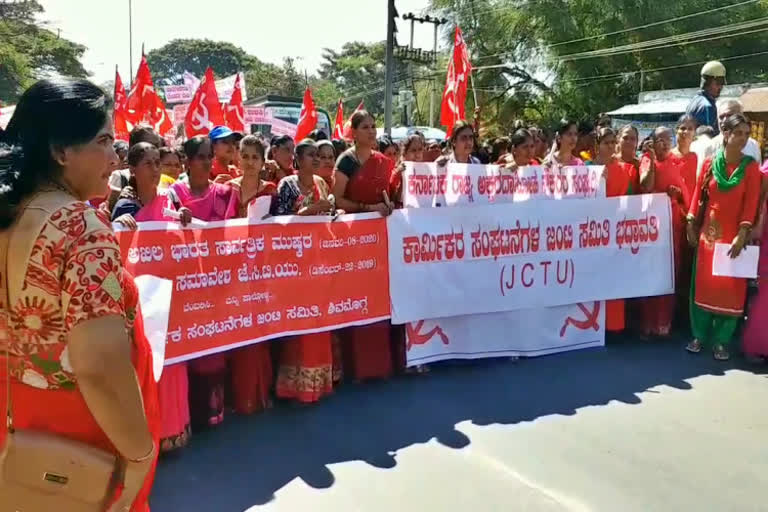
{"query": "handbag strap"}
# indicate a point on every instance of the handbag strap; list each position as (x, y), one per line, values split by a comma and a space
(5, 324)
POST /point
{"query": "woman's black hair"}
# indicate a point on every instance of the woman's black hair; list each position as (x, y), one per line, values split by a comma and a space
(519, 137)
(254, 141)
(564, 125)
(165, 151)
(409, 140)
(339, 145)
(358, 117)
(603, 132)
(499, 145)
(629, 127)
(327, 143)
(192, 146)
(687, 118)
(51, 114)
(459, 127)
(302, 147)
(137, 152)
(317, 135)
(279, 140)
(145, 134)
(384, 142)
(733, 121)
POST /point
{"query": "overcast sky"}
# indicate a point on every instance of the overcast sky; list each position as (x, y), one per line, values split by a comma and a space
(267, 29)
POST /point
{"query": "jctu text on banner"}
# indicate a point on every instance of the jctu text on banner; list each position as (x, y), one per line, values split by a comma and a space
(235, 284)
(457, 261)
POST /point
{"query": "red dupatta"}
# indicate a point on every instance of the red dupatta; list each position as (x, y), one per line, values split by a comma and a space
(371, 179)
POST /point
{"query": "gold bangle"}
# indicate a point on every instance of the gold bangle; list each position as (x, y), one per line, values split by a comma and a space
(145, 457)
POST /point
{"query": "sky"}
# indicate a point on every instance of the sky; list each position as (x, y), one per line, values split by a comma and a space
(268, 29)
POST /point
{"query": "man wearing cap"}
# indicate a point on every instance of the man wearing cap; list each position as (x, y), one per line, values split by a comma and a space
(224, 142)
(703, 106)
(725, 109)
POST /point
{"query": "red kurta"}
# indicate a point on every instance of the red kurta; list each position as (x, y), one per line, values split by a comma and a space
(367, 348)
(726, 212)
(620, 180)
(251, 366)
(688, 165)
(657, 313)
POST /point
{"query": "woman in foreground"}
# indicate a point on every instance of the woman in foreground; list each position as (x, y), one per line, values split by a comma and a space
(72, 308)
(723, 209)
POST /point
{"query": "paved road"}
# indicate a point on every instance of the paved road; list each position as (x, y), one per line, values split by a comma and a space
(633, 427)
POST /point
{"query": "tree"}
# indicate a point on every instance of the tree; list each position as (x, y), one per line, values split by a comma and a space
(170, 61)
(542, 70)
(358, 72)
(28, 51)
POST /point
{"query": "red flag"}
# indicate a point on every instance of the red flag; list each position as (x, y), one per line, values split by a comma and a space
(159, 117)
(205, 110)
(348, 124)
(141, 99)
(338, 126)
(455, 94)
(120, 117)
(307, 118)
(235, 111)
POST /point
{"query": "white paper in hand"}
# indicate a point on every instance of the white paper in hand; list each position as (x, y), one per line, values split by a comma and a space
(259, 208)
(744, 266)
(155, 297)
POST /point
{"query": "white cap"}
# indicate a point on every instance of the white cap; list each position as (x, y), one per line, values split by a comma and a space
(713, 68)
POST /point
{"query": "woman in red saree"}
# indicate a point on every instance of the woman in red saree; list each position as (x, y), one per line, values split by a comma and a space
(326, 152)
(660, 173)
(202, 199)
(305, 370)
(141, 201)
(362, 178)
(252, 365)
(618, 182)
(689, 163)
(723, 210)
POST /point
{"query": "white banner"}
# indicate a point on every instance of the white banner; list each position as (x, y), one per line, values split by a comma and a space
(521, 333)
(460, 261)
(184, 93)
(427, 184)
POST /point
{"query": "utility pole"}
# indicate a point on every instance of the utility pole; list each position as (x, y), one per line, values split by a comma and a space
(130, 43)
(391, 29)
(423, 57)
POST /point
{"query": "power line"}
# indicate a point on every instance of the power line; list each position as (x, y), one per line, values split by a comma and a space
(632, 29)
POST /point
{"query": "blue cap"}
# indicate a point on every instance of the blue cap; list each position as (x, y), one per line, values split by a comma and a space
(221, 132)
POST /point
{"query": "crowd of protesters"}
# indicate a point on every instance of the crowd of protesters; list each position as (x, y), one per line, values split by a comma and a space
(73, 315)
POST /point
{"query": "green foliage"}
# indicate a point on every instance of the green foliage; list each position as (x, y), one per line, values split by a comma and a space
(534, 43)
(170, 61)
(29, 52)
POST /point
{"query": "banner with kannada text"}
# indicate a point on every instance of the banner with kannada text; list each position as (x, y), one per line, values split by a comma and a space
(235, 284)
(428, 184)
(458, 261)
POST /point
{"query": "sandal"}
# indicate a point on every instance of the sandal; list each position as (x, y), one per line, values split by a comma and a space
(694, 347)
(720, 353)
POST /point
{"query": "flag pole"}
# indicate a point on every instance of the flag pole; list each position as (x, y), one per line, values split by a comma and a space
(130, 43)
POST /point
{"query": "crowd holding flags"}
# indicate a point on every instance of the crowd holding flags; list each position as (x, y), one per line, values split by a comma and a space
(143, 104)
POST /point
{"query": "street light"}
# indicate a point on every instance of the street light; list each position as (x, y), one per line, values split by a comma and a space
(130, 41)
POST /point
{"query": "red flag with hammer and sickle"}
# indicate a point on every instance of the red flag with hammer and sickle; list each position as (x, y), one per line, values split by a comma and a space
(141, 99)
(205, 110)
(120, 117)
(307, 118)
(235, 111)
(456, 80)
